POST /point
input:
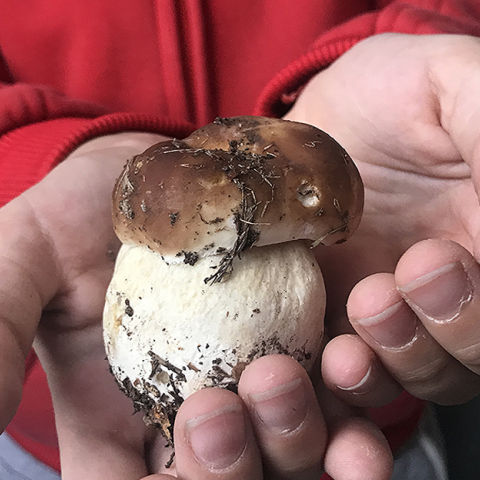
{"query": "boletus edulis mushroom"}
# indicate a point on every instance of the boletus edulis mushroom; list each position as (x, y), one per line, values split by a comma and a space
(216, 267)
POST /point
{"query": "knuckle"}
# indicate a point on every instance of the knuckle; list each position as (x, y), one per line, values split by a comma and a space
(426, 372)
(469, 356)
(443, 381)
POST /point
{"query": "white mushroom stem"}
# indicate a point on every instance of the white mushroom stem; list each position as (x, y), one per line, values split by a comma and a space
(168, 334)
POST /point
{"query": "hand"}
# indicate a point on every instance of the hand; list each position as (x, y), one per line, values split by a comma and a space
(57, 255)
(407, 108)
(284, 415)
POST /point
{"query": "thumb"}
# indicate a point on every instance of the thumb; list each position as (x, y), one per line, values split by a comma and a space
(27, 282)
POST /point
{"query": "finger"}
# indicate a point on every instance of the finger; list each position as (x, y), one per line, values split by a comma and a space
(28, 280)
(214, 438)
(286, 416)
(440, 280)
(407, 350)
(352, 370)
(356, 449)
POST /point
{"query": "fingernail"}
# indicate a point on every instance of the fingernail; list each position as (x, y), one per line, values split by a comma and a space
(395, 327)
(282, 408)
(359, 387)
(440, 294)
(217, 438)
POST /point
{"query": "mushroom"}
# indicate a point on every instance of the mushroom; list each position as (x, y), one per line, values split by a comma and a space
(216, 267)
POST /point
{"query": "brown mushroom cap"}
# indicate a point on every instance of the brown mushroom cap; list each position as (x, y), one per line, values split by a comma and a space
(235, 183)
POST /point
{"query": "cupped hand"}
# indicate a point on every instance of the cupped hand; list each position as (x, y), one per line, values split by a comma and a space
(57, 252)
(407, 109)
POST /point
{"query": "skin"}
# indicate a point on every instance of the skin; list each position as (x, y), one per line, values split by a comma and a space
(417, 150)
(405, 108)
(53, 292)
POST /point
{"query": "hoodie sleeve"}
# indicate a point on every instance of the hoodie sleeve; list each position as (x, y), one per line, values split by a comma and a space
(400, 16)
(39, 127)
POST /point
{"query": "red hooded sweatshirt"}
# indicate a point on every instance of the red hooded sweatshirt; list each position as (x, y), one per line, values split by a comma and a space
(70, 71)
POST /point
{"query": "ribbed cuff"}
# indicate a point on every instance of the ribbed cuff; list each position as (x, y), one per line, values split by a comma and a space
(398, 17)
(28, 153)
(282, 91)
